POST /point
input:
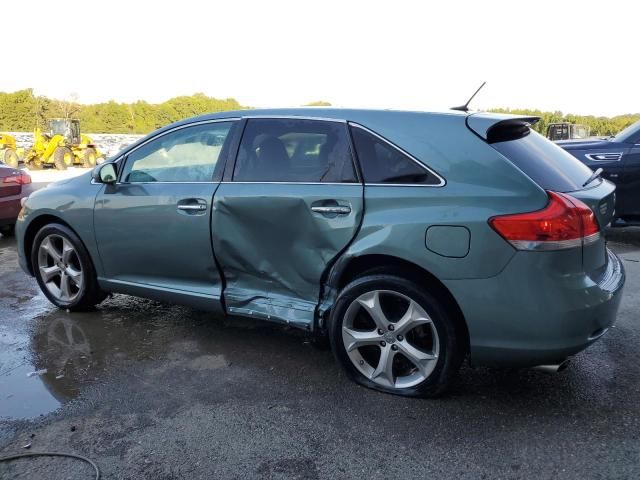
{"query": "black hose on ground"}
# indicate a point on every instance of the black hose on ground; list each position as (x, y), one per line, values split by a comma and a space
(53, 454)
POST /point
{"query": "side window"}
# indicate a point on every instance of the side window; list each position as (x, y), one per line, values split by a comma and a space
(381, 162)
(290, 150)
(189, 154)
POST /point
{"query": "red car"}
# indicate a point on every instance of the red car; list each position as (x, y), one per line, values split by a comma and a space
(14, 186)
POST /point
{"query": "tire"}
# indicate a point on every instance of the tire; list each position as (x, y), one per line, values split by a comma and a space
(35, 164)
(433, 334)
(11, 158)
(63, 158)
(89, 158)
(83, 294)
(8, 230)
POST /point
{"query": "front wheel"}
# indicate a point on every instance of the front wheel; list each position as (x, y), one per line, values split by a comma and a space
(64, 269)
(89, 158)
(63, 158)
(391, 335)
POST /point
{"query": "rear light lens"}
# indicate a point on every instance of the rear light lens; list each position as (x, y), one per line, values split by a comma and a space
(565, 222)
(21, 179)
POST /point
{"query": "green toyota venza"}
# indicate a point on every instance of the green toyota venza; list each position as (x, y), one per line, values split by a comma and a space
(410, 239)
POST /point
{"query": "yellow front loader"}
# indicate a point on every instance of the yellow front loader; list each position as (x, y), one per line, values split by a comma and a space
(62, 146)
(10, 154)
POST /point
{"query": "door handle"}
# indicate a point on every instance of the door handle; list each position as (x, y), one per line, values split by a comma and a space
(196, 207)
(192, 206)
(338, 209)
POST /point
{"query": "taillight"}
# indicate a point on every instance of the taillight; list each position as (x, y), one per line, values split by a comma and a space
(565, 222)
(21, 179)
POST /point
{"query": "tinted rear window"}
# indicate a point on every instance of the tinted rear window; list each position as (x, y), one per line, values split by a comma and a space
(545, 163)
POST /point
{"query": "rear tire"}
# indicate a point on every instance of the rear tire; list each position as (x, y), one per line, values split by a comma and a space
(411, 348)
(11, 158)
(89, 158)
(63, 158)
(64, 270)
(8, 230)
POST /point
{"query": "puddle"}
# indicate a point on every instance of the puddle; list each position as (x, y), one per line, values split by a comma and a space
(21, 396)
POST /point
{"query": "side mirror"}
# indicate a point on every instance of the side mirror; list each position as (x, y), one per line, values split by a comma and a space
(105, 173)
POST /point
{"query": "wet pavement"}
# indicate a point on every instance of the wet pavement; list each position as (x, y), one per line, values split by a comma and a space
(165, 392)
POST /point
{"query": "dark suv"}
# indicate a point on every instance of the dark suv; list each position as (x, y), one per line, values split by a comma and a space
(619, 158)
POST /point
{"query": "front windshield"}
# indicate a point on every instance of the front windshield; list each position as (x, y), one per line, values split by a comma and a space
(629, 134)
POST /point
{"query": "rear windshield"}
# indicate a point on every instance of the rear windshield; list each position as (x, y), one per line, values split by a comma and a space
(545, 163)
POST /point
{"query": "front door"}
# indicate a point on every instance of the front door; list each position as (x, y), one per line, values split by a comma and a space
(631, 199)
(153, 227)
(293, 204)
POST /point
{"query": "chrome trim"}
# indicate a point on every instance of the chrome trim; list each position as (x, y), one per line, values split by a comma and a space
(340, 210)
(442, 183)
(352, 184)
(611, 156)
(294, 117)
(198, 207)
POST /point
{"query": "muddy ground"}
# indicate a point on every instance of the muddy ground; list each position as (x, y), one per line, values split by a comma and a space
(153, 391)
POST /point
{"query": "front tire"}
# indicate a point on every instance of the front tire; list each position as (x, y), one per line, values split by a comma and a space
(89, 158)
(64, 270)
(63, 158)
(391, 335)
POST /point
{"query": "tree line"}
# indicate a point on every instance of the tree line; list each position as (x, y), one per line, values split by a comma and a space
(599, 126)
(23, 110)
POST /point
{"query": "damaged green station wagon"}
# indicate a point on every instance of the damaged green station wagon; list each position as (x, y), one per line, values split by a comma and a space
(410, 239)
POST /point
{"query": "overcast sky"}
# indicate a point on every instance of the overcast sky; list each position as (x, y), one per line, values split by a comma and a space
(573, 56)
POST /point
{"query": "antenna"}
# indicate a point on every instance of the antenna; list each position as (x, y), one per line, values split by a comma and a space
(465, 107)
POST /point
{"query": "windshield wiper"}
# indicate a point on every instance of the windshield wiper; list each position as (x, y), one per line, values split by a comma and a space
(595, 175)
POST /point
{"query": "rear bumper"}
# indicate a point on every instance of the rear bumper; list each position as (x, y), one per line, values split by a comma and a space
(532, 315)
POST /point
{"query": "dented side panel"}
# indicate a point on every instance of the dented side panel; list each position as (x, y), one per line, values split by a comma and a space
(273, 248)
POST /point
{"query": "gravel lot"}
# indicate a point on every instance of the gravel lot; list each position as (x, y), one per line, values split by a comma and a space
(153, 391)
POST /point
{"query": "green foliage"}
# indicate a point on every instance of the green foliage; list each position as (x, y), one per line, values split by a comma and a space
(22, 111)
(600, 126)
(318, 103)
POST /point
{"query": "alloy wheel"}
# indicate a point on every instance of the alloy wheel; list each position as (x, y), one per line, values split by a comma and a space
(59, 268)
(390, 339)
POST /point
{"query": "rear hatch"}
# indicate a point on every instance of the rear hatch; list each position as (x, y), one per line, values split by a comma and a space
(554, 170)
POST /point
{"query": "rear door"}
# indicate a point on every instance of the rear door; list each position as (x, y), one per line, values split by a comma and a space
(153, 226)
(286, 210)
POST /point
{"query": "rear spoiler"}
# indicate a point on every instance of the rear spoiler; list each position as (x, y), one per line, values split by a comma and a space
(496, 127)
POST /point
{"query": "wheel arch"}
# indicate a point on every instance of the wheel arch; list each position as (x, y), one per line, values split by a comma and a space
(32, 230)
(354, 267)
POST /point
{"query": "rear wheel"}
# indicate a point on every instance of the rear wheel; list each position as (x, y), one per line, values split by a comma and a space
(8, 230)
(11, 158)
(63, 158)
(64, 269)
(393, 336)
(89, 158)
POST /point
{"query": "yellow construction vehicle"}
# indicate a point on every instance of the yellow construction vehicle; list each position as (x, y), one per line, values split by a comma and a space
(61, 146)
(10, 154)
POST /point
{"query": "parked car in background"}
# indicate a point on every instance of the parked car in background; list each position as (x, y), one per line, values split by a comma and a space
(410, 239)
(566, 131)
(619, 158)
(14, 186)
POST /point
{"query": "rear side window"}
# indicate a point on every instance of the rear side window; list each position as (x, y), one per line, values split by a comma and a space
(292, 150)
(551, 167)
(382, 162)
